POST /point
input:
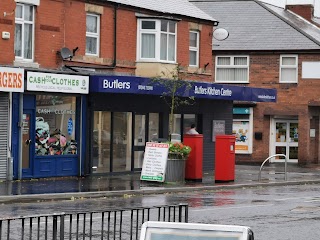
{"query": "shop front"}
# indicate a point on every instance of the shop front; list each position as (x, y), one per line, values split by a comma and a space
(11, 81)
(127, 111)
(52, 129)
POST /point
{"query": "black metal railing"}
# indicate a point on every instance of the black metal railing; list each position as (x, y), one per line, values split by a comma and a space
(110, 224)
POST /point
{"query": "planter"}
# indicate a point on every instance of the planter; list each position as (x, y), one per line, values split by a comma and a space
(175, 171)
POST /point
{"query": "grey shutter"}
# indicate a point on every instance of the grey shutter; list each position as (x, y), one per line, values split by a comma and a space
(4, 125)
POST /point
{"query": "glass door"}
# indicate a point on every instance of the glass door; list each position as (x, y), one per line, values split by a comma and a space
(139, 140)
(146, 129)
(286, 139)
(121, 141)
(101, 142)
(28, 143)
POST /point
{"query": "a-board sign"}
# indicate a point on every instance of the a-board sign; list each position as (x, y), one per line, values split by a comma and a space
(155, 161)
(152, 230)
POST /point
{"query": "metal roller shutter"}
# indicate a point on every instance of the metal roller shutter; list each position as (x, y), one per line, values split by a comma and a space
(4, 125)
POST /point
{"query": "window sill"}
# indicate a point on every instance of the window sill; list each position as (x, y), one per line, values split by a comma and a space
(199, 73)
(155, 61)
(21, 63)
(232, 82)
(288, 82)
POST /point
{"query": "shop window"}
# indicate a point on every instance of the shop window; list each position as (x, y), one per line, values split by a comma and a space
(122, 135)
(55, 125)
(232, 69)
(242, 128)
(24, 32)
(188, 119)
(157, 40)
(153, 134)
(176, 128)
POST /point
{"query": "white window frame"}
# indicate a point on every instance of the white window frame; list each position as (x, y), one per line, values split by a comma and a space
(288, 67)
(22, 22)
(157, 32)
(232, 66)
(94, 35)
(195, 49)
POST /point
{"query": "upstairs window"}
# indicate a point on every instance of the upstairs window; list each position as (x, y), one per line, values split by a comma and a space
(232, 69)
(157, 40)
(194, 49)
(92, 34)
(24, 32)
(288, 69)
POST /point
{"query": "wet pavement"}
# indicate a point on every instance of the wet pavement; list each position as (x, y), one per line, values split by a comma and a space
(130, 184)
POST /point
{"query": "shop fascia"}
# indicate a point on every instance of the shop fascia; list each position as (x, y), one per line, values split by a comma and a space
(50, 82)
(140, 85)
(11, 79)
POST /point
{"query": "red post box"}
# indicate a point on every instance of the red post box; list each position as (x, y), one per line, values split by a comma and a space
(225, 158)
(194, 161)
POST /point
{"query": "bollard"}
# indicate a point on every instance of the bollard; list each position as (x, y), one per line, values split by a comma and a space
(10, 169)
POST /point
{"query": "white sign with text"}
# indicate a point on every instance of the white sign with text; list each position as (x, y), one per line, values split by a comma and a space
(49, 82)
(155, 161)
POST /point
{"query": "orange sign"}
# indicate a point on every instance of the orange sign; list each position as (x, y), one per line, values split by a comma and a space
(11, 79)
(242, 147)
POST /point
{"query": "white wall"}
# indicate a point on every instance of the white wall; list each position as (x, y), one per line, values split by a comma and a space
(282, 3)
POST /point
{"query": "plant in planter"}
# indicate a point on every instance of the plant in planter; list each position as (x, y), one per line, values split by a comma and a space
(178, 151)
(175, 89)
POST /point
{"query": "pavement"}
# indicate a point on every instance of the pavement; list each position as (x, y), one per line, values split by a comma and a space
(70, 188)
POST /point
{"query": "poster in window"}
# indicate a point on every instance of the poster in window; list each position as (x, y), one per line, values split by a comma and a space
(241, 132)
(218, 128)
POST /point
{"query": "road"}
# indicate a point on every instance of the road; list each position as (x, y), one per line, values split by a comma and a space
(279, 212)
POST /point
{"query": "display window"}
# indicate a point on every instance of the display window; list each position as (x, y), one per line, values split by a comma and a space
(242, 128)
(55, 125)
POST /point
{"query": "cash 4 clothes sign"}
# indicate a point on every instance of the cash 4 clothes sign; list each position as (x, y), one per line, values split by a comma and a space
(48, 82)
(155, 161)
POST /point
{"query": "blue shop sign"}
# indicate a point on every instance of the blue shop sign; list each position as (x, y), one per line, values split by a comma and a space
(241, 110)
(140, 85)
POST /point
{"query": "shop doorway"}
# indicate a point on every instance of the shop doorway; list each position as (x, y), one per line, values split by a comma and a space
(27, 143)
(146, 129)
(49, 136)
(139, 138)
(285, 139)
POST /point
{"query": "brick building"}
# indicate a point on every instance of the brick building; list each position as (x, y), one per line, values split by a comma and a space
(271, 47)
(88, 104)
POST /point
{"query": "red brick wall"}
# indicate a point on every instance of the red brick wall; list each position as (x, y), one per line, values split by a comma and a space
(7, 25)
(205, 53)
(127, 36)
(49, 32)
(63, 24)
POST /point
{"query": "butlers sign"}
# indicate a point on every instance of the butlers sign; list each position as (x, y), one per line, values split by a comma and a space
(139, 85)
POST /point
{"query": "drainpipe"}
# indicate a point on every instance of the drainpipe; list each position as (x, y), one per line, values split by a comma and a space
(20, 135)
(115, 36)
(10, 159)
